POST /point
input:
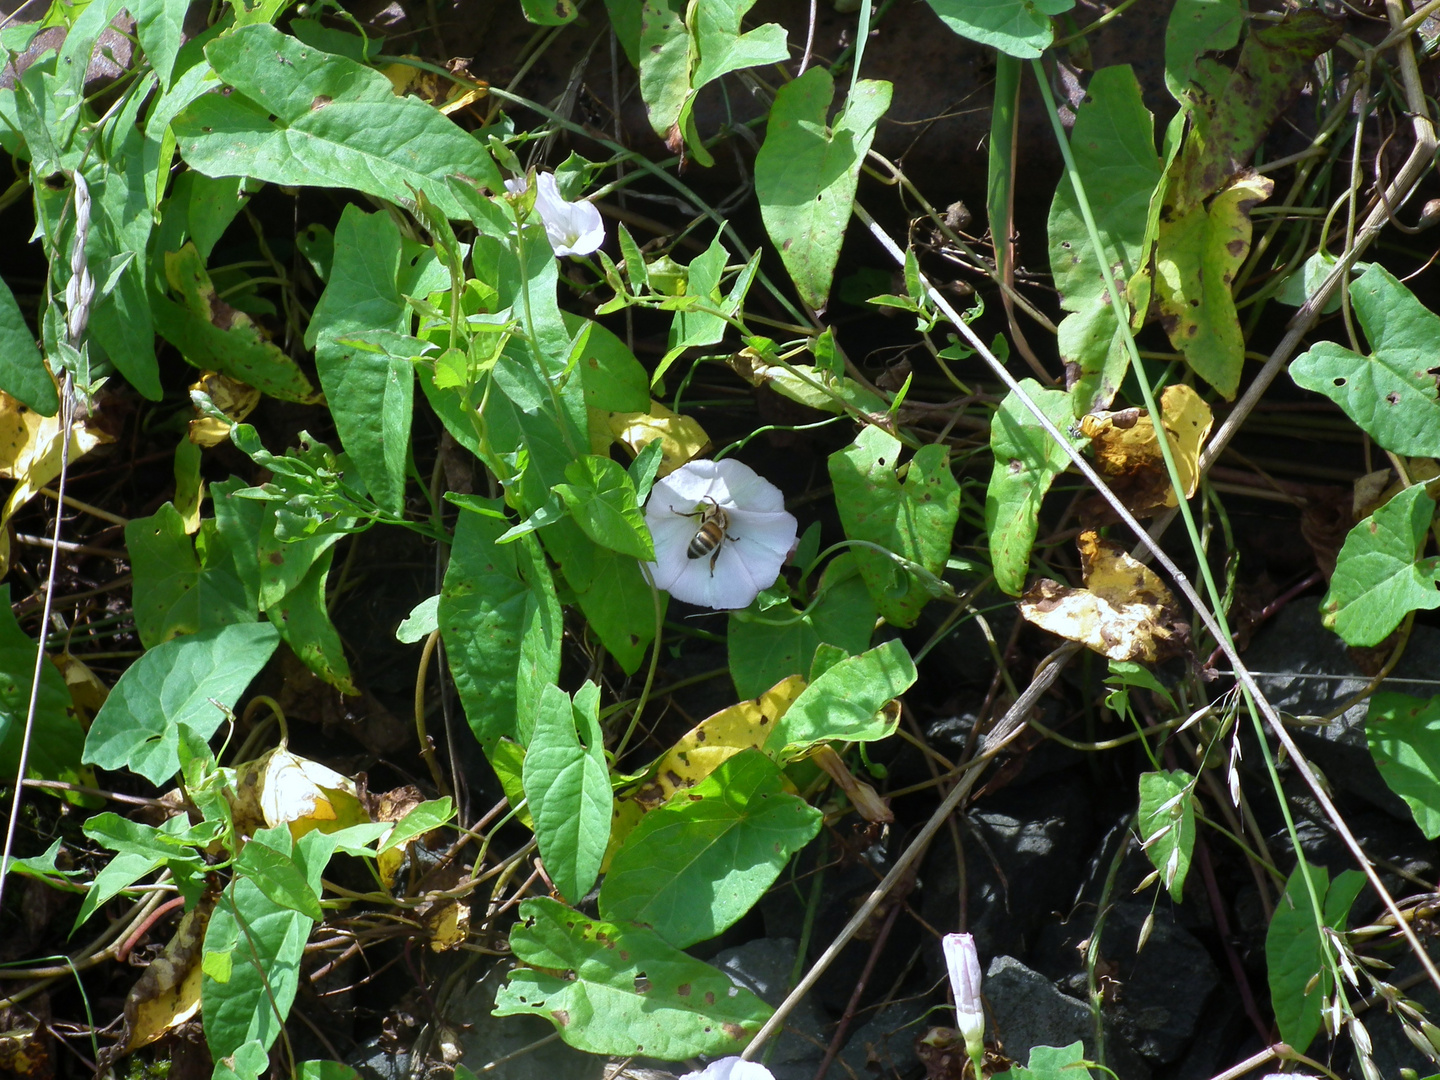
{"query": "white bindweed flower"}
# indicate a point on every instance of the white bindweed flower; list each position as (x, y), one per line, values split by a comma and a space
(573, 228)
(963, 963)
(747, 533)
(731, 1068)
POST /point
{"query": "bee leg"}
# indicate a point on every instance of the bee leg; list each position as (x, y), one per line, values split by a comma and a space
(713, 557)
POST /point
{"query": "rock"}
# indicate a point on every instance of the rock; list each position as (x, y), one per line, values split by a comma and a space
(1036, 838)
(1030, 1011)
(484, 1038)
(764, 966)
(1306, 670)
(1163, 988)
(885, 1046)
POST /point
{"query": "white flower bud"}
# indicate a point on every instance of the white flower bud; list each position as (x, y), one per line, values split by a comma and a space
(963, 963)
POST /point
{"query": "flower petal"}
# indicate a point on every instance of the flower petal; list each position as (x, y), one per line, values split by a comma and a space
(731, 1068)
(770, 532)
(747, 489)
(573, 228)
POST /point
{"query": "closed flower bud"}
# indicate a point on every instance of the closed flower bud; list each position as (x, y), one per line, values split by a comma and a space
(963, 963)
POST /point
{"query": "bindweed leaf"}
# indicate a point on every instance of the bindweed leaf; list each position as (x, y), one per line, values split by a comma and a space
(1297, 956)
(1404, 737)
(1027, 461)
(846, 702)
(568, 788)
(1391, 393)
(914, 518)
(619, 989)
(1167, 826)
(806, 174)
(1379, 576)
(694, 866)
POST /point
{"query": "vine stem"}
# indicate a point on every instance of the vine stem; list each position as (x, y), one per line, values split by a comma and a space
(1242, 673)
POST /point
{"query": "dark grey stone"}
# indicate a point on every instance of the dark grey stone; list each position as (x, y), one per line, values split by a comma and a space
(485, 1038)
(1035, 838)
(885, 1046)
(765, 966)
(1030, 1011)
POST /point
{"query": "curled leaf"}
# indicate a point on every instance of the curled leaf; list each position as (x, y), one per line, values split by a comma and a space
(1127, 450)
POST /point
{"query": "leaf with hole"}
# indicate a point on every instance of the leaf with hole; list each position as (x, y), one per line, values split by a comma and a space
(1379, 576)
(1392, 392)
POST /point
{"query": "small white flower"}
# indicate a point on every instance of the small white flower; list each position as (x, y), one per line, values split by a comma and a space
(963, 963)
(731, 1068)
(757, 537)
(573, 228)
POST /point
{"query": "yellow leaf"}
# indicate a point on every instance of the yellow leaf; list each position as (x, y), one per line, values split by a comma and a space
(231, 396)
(168, 993)
(681, 438)
(282, 787)
(449, 924)
(31, 446)
(1126, 449)
(87, 692)
(449, 95)
(1125, 612)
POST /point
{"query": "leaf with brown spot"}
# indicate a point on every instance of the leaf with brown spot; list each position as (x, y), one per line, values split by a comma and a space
(604, 1012)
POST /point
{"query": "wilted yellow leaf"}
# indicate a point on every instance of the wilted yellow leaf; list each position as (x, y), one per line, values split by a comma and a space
(231, 396)
(449, 924)
(1125, 612)
(862, 796)
(681, 438)
(30, 449)
(168, 993)
(87, 692)
(1126, 449)
(448, 95)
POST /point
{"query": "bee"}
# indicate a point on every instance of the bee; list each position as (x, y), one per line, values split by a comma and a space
(713, 531)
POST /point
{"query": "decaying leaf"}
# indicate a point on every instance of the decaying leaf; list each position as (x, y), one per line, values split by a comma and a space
(1374, 490)
(1124, 612)
(1198, 253)
(392, 806)
(24, 1053)
(1127, 450)
(862, 796)
(87, 692)
(231, 396)
(283, 787)
(30, 453)
(168, 993)
(448, 95)
(681, 438)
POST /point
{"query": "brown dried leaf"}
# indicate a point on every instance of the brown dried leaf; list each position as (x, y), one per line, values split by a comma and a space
(1125, 612)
